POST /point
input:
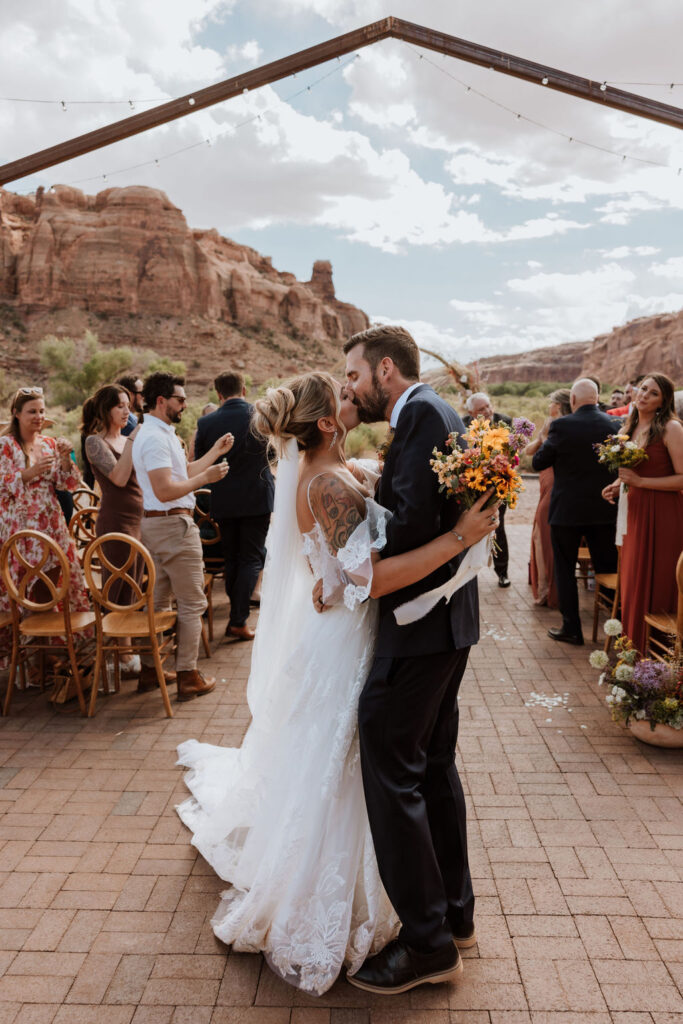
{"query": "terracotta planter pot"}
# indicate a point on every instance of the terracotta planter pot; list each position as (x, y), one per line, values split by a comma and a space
(663, 735)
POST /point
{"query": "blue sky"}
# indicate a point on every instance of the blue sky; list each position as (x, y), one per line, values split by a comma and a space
(437, 208)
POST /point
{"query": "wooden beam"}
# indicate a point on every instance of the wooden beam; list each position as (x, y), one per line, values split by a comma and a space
(518, 67)
(194, 101)
(472, 53)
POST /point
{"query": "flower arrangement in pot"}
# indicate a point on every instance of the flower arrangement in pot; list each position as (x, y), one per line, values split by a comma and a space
(646, 695)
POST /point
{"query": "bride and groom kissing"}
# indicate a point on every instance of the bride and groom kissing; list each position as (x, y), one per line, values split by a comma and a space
(340, 821)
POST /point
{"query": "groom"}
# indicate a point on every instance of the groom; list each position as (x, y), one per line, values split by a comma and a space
(408, 710)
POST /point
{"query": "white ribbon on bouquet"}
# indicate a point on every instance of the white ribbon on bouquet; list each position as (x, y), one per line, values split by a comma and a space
(476, 559)
(622, 515)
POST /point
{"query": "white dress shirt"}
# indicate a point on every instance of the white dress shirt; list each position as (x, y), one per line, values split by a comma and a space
(396, 411)
(157, 446)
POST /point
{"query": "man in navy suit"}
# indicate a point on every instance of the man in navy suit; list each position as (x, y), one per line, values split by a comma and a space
(408, 710)
(241, 503)
(577, 508)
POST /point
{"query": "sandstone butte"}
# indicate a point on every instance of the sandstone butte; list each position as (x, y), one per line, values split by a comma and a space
(648, 344)
(125, 264)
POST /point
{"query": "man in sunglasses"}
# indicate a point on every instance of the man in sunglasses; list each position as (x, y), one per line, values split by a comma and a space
(169, 532)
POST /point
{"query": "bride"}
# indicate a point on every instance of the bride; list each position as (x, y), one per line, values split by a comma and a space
(283, 818)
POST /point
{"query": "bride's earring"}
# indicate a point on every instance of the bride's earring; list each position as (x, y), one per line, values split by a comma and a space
(334, 439)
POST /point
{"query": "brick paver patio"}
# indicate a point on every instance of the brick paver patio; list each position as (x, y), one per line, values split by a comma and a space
(576, 837)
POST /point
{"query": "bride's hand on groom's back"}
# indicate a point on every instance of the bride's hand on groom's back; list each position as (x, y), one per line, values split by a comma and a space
(478, 521)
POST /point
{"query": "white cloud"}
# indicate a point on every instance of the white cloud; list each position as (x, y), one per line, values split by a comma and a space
(622, 252)
(673, 267)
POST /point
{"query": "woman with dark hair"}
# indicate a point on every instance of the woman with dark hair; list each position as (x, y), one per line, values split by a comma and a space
(32, 468)
(110, 456)
(541, 562)
(654, 525)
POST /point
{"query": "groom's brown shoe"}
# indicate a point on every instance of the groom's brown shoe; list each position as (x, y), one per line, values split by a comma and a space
(399, 968)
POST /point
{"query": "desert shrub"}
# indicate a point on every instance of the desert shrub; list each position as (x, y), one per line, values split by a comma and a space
(76, 368)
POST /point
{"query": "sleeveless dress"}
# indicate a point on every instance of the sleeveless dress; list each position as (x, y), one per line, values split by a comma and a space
(283, 818)
(652, 544)
(120, 512)
(541, 563)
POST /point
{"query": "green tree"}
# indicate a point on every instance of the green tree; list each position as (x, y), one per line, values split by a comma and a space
(76, 368)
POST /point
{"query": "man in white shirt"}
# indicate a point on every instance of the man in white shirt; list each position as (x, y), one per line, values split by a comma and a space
(167, 481)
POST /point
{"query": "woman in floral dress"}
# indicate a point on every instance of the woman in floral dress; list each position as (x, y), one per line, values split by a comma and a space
(32, 468)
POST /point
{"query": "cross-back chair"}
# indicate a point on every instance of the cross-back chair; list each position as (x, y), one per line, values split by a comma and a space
(607, 597)
(663, 631)
(85, 497)
(137, 622)
(82, 527)
(27, 560)
(212, 551)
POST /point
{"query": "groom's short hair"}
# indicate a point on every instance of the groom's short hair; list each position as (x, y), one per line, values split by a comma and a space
(387, 340)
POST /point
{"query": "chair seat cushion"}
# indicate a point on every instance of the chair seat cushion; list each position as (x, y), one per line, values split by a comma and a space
(661, 620)
(135, 623)
(52, 623)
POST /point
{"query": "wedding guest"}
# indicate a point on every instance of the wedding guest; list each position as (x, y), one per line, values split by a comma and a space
(133, 385)
(541, 571)
(629, 394)
(32, 468)
(616, 399)
(576, 506)
(241, 503)
(110, 456)
(479, 405)
(169, 532)
(654, 526)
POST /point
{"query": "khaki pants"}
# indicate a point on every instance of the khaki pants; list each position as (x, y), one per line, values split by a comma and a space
(175, 546)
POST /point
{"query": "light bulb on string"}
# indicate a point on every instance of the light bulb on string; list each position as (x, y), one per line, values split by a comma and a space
(63, 105)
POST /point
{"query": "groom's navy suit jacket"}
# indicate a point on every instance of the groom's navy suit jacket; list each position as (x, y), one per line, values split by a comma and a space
(410, 489)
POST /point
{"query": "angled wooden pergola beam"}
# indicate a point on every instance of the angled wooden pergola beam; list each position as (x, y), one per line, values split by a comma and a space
(441, 42)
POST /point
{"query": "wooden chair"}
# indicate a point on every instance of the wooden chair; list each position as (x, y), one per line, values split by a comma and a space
(82, 526)
(583, 563)
(136, 620)
(212, 552)
(84, 497)
(668, 639)
(43, 622)
(607, 596)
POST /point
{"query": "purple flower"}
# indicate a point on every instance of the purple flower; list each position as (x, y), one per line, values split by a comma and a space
(651, 675)
(523, 426)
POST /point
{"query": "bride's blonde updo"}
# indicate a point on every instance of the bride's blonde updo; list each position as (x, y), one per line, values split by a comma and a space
(294, 408)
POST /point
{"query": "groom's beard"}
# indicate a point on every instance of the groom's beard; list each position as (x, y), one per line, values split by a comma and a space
(373, 407)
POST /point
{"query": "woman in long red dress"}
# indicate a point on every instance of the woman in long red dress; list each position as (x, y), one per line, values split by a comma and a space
(654, 527)
(541, 564)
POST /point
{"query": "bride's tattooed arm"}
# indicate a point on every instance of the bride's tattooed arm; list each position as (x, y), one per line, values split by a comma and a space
(337, 507)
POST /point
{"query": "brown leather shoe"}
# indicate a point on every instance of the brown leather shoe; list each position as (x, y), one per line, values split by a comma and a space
(193, 684)
(239, 632)
(147, 680)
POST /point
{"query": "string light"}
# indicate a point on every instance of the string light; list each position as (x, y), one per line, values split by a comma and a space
(228, 131)
(540, 124)
(76, 103)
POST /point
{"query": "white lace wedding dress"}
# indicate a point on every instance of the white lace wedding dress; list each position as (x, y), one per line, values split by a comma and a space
(283, 818)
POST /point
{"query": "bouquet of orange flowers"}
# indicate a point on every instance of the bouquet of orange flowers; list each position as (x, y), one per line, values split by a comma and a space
(490, 461)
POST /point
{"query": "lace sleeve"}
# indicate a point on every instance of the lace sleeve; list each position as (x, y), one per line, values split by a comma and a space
(355, 558)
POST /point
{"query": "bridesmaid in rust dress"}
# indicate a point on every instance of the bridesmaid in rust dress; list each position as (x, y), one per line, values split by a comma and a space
(541, 574)
(110, 456)
(654, 528)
